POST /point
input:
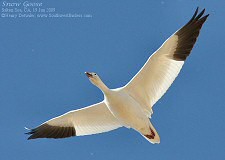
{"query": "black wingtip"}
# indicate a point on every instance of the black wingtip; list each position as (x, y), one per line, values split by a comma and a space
(196, 11)
(195, 14)
(207, 15)
(30, 132)
(188, 35)
(32, 135)
(200, 14)
(48, 131)
(30, 138)
(204, 18)
(28, 129)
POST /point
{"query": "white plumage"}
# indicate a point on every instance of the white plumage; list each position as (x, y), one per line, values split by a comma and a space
(131, 105)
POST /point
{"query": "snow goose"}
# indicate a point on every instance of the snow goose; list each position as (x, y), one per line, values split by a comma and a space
(131, 105)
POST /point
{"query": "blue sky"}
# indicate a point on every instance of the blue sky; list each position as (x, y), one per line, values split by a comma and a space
(42, 69)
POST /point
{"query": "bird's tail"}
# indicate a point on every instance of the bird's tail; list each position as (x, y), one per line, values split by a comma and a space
(153, 137)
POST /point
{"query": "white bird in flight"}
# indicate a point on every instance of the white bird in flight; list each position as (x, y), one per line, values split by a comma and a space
(129, 106)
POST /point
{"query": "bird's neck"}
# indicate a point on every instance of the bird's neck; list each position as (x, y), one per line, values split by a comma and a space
(103, 87)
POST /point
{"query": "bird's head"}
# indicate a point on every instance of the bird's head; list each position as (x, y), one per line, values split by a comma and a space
(93, 77)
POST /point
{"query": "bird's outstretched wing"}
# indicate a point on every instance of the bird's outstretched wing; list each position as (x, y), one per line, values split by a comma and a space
(89, 120)
(161, 69)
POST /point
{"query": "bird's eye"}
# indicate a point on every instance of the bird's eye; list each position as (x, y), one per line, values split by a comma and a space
(95, 74)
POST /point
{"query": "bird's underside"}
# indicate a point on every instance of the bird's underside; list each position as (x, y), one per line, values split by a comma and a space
(145, 88)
